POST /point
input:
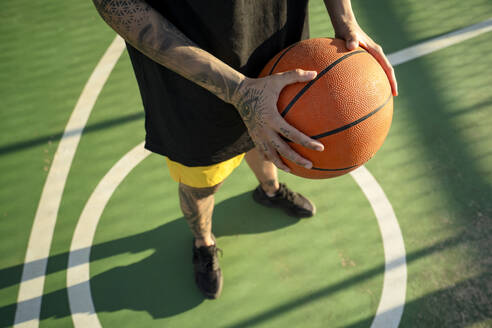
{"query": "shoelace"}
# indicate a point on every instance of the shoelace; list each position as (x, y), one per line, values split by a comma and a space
(286, 193)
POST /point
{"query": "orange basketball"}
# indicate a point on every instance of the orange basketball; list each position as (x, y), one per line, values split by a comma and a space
(348, 106)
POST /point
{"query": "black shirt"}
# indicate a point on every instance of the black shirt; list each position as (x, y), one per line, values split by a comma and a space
(184, 121)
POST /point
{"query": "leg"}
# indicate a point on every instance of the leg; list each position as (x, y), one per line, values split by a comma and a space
(265, 171)
(197, 205)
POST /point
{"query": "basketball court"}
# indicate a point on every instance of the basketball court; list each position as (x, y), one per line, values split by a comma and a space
(92, 234)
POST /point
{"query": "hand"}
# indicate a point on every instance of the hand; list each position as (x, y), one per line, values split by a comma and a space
(354, 36)
(256, 102)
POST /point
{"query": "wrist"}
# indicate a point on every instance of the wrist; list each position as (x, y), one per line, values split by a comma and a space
(347, 18)
(236, 94)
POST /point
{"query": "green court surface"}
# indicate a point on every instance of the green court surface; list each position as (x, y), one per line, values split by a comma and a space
(328, 271)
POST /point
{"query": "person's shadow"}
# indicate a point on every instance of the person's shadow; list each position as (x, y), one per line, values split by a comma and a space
(163, 284)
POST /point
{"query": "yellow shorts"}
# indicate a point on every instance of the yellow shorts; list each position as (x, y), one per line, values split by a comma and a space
(203, 176)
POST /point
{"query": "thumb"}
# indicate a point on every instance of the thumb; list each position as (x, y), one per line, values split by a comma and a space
(294, 76)
(352, 42)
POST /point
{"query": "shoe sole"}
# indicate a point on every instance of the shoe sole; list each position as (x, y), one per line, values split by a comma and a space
(219, 291)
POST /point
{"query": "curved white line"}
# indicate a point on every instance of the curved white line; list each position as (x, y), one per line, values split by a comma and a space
(79, 292)
(35, 262)
(78, 279)
(392, 300)
(33, 274)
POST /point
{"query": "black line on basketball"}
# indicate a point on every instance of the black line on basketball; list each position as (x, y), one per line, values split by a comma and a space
(345, 127)
(310, 83)
(280, 57)
(342, 169)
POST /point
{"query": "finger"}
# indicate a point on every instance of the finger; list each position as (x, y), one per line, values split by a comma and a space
(271, 155)
(393, 83)
(284, 149)
(352, 42)
(294, 76)
(297, 136)
(378, 53)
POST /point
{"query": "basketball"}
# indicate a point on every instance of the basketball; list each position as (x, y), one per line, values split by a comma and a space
(348, 106)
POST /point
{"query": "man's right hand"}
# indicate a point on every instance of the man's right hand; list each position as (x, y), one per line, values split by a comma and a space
(256, 102)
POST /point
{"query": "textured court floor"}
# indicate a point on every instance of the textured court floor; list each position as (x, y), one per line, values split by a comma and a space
(435, 169)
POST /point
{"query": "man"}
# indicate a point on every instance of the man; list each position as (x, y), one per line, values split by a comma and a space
(196, 62)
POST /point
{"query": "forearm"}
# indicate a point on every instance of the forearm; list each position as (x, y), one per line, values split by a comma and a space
(340, 11)
(157, 38)
(254, 98)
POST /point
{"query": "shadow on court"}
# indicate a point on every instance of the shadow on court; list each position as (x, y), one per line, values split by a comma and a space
(22, 145)
(162, 284)
(450, 156)
(446, 299)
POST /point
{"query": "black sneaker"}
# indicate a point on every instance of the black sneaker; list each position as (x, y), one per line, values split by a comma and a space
(291, 202)
(208, 275)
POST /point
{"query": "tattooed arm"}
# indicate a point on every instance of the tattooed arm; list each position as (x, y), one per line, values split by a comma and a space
(145, 29)
(255, 99)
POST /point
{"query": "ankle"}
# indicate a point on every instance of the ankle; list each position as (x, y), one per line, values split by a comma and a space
(270, 187)
(206, 241)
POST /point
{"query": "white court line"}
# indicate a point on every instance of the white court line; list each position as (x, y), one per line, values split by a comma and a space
(392, 300)
(78, 281)
(441, 42)
(33, 274)
(78, 276)
(35, 262)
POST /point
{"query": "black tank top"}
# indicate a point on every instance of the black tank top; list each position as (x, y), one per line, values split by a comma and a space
(187, 123)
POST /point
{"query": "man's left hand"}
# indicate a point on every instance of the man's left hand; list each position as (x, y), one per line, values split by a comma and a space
(354, 36)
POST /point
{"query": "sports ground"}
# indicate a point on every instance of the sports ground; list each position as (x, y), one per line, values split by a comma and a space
(91, 233)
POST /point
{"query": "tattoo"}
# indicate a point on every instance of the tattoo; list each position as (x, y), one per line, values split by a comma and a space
(275, 145)
(264, 146)
(135, 18)
(197, 205)
(160, 40)
(124, 13)
(270, 186)
(285, 132)
(251, 108)
(169, 37)
(144, 33)
(216, 82)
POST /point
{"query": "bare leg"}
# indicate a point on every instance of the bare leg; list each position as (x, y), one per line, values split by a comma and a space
(265, 171)
(197, 205)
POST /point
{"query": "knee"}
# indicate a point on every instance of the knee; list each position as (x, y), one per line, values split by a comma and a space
(198, 193)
